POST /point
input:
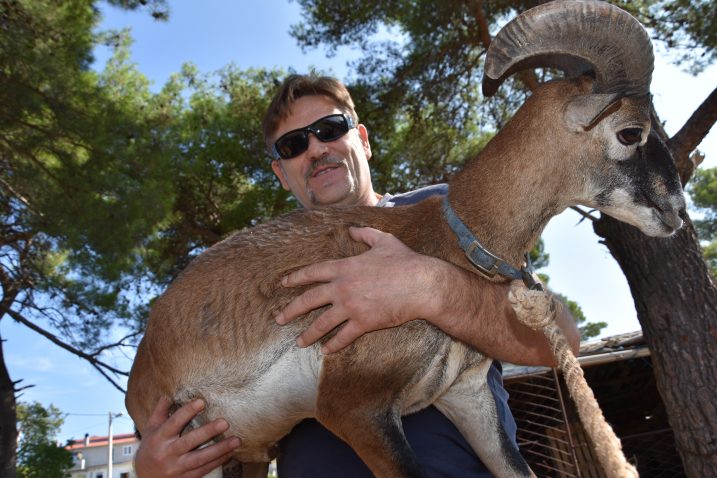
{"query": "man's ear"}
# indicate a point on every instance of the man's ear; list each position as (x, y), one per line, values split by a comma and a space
(280, 174)
(363, 134)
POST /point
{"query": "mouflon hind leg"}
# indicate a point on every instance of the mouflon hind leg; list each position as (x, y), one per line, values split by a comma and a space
(358, 402)
(233, 469)
(470, 405)
(375, 434)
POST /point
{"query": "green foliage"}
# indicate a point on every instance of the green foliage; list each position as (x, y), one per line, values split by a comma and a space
(709, 251)
(540, 259)
(38, 455)
(157, 8)
(703, 190)
(73, 167)
(687, 28)
(219, 169)
(538, 256)
(108, 189)
(587, 329)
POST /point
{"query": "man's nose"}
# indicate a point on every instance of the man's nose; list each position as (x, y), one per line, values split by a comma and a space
(317, 149)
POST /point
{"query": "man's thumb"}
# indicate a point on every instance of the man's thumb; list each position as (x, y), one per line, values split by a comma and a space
(367, 235)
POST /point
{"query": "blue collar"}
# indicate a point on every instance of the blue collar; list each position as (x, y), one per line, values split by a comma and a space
(488, 264)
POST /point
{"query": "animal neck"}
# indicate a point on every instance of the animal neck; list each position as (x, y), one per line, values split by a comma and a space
(504, 207)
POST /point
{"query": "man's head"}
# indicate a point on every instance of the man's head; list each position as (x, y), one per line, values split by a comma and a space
(321, 165)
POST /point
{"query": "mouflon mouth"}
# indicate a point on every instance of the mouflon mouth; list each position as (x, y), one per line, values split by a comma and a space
(670, 219)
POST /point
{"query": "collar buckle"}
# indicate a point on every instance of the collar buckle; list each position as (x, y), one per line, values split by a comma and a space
(487, 263)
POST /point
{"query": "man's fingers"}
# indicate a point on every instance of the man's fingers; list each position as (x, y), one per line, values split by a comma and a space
(160, 413)
(343, 338)
(313, 298)
(319, 272)
(321, 326)
(190, 441)
(179, 419)
(367, 235)
(204, 460)
(204, 470)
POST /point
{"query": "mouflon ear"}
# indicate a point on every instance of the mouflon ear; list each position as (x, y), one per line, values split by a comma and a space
(584, 112)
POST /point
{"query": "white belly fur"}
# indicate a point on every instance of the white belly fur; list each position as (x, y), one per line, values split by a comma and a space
(287, 393)
(425, 392)
(269, 407)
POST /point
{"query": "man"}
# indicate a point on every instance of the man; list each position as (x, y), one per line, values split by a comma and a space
(321, 155)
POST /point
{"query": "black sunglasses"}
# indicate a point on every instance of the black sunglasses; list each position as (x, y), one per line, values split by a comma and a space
(328, 128)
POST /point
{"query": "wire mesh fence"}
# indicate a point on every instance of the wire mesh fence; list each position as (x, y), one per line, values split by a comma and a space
(543, 434)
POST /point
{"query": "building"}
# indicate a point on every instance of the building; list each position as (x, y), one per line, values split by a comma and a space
(90, 456)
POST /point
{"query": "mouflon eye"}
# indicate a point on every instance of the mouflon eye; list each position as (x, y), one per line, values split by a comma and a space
(629, 136)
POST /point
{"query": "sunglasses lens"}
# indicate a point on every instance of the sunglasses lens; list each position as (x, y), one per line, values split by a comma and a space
(325, 129)
(331, 128)
(292, 144)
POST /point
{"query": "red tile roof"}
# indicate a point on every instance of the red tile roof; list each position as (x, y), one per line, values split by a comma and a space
(101, 441)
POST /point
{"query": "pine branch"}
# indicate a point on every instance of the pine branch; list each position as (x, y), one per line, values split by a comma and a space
(20, 197)
(91, 358)
(584, 214)
(527, 77)
(10, 292)
(483, 28)
(684, 142)
(120, 343)
(14, 237)
(33, 158)
(109, 379)
(17, 389)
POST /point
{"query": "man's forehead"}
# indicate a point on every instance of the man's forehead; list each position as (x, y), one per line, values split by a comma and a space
(305, 111)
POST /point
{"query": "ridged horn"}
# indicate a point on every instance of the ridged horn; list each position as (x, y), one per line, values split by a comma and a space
(576, 36)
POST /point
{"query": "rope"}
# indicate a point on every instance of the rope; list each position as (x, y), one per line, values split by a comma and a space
(538, 310)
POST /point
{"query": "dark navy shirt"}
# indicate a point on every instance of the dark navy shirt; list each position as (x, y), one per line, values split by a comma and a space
(311, 451)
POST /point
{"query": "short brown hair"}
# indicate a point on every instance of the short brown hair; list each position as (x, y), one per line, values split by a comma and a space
(296, 86)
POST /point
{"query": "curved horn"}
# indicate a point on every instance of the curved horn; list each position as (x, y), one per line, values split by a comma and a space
(576, 36)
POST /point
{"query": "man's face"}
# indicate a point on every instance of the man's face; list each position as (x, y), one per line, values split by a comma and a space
(331, 173)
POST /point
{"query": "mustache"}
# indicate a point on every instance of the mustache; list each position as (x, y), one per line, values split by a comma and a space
(320, 163)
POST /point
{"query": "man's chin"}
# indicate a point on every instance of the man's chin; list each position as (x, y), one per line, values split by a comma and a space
(331, 198)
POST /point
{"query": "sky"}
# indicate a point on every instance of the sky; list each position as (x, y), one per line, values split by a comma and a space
(255, 34)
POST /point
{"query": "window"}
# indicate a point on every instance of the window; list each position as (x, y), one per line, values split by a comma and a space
(127, 450)
(124, 475)
(99, 475)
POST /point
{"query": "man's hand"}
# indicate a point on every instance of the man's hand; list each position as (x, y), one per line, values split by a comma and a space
(384, 287)
(164, 453)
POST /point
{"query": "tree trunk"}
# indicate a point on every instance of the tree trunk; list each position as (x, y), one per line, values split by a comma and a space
(676, 304)
(8, 426)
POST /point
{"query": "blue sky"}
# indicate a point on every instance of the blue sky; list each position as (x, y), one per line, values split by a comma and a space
(255, 34)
